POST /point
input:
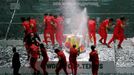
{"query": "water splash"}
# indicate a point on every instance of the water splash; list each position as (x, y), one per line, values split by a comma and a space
(78, 18)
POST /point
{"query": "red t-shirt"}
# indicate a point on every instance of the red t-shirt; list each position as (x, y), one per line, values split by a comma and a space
(26, 27)
(103, 28)
(73, 54)
(59, 24)
(92, 26)
(34, 50)
(94, 57)
(49, 21)
(104, 24)
(33, 23)
(62, 57)
(118, 30)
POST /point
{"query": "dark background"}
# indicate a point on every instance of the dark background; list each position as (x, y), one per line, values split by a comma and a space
(36, 8)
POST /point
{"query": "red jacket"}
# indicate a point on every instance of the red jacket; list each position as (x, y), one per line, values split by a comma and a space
(62, 57)
(94, 57)
(26, 26)
(34, 51)
(103, 25)
(73, 54)
(59, 24)
(33, 23)
(49, 20)
(118, 30)
(92, 26)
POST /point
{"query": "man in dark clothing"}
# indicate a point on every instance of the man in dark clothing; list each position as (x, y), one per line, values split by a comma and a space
(15, 62)
(32, 38)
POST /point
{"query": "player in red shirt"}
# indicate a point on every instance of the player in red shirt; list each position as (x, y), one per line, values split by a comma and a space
(34, 52)
(59, 29)
(103, 30)
(62, 63)
(118, 32)
(27, 31)
(92, 30)
(45, 58)
(95, 60)
(73, 59)
(49, 28)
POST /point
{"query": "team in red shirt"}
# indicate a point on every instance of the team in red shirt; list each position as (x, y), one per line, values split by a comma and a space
(118, 33)
(53, 30)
